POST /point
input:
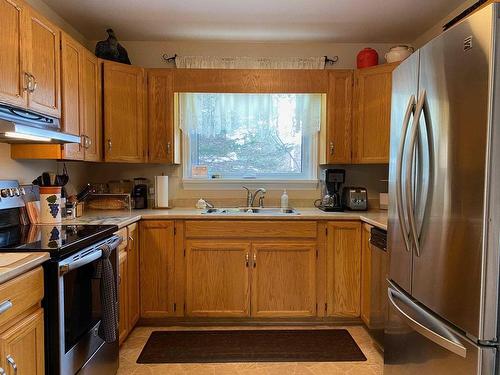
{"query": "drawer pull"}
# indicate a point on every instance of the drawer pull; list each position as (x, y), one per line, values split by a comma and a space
(12, 363)
(4, 306)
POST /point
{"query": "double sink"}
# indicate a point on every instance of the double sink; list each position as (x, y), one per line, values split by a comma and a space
(251, 211)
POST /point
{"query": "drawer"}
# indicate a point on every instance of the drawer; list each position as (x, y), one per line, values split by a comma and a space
(20, 293)
(123, 233)
(250, 229)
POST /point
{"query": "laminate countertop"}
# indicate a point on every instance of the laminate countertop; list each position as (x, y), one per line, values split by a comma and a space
(15, 264)
(124, 218)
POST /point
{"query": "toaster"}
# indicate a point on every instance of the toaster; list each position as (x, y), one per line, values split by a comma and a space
(355, 198)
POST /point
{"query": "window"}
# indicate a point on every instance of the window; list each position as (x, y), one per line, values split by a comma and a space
(250, 136)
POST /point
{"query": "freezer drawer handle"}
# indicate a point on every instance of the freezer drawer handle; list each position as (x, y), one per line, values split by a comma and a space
(444, 339)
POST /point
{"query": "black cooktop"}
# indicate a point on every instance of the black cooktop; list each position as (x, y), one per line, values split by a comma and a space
(58, 240)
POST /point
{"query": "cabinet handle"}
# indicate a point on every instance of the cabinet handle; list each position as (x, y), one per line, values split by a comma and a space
(27, 82)
(130, 238)
(247, 259)
(110, 145)
(35, 83)
(5, 305)
(168, 148)
(332, 148)
(254, 260)
(2, 371)
(12, 363)
(89, 141)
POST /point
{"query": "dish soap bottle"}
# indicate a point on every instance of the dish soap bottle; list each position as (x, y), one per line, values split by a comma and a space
(284, 199)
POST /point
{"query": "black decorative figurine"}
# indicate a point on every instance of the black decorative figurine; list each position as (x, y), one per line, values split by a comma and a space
(110, 49)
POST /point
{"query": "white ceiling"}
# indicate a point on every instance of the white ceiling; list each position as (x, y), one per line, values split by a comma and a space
(347, 21)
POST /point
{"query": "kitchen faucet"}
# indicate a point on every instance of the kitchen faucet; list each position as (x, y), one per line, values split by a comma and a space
(251, 196)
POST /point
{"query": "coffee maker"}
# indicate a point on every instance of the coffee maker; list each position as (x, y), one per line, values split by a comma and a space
(331, 189)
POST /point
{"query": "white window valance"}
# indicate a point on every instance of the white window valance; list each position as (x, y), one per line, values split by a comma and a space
(215, 62)
(213, 114)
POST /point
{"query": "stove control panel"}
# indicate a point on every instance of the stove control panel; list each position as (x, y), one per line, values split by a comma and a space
(11, 194)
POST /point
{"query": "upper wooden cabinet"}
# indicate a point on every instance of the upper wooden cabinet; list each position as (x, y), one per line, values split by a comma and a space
(43, 64)
(29, 59)
(125, 130)
(284, 278)
(13, 53)
(164, 138)
(92, 120)
(372, 114)
(336, 145)
(343, 269)
(72, 94)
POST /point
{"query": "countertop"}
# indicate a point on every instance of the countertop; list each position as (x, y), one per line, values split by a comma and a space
(15, 264)
(124, 218)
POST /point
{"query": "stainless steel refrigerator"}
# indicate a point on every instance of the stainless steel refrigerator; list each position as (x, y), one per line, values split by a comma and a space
(444, 213)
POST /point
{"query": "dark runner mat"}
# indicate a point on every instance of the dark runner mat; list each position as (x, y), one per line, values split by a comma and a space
(325, 345)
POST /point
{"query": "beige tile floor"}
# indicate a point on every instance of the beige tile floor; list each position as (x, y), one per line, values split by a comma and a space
(132, 347)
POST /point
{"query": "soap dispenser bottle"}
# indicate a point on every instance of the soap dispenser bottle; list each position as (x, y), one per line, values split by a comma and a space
(284, 199)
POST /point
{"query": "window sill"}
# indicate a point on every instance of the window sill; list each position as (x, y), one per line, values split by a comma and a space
(236, 184)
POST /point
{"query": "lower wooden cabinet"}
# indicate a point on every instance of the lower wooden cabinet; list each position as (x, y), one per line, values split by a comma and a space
(123, 329)
(157, 268)
(343, 269)
(365, 274)
(217, 282)
(22, 346)
(284, 278)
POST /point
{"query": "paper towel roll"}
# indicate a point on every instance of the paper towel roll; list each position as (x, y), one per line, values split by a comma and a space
(161, 191)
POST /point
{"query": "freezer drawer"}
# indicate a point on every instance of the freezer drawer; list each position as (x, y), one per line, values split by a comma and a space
(417, 343)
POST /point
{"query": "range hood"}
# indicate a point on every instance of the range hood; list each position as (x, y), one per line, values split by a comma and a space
(20, 126)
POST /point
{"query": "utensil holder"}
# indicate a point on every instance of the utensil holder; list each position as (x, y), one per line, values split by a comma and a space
(50, 204)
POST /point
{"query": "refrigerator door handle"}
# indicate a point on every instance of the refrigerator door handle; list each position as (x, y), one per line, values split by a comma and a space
(409, 170)
(425, 324)
(410, 109)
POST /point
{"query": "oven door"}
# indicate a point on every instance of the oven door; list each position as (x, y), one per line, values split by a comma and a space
(80, 308)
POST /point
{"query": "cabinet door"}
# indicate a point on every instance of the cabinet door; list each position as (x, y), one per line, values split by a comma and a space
(164, 145)
(133, 275)
(372, 114)
(344, 269)
(22, 346)
(12, 56)
(157, 268)
(123, 296)
(284, 279)
(72, 95)
(124, 113)
(43, 40)
(92, 123)
(217, 283)
(339, 107)
(365, 274)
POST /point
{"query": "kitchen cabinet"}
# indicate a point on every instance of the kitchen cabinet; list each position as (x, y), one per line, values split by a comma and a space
(372, 114)
(164, 136)
(123, 322)
(29, 59)
(72, 94)
(283, 278)
(217, 278)
(365, 274)
(92, 120)
(22, 346)
(157, 268)
(133, 312)
(43, 64)
(125, 128)
(13, 53)
(343, 269)
(336, 137)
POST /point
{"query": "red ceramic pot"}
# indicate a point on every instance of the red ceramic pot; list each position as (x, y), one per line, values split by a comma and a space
(367, 57)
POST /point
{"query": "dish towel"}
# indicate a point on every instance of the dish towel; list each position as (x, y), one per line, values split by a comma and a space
(109, 321)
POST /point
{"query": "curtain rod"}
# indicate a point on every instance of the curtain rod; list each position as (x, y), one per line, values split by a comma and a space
(328, 61)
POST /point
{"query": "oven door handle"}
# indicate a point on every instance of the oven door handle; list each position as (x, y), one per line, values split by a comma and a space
(67, 267)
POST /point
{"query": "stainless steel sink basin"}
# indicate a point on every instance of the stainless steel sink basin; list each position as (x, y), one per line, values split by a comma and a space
(251, 211)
